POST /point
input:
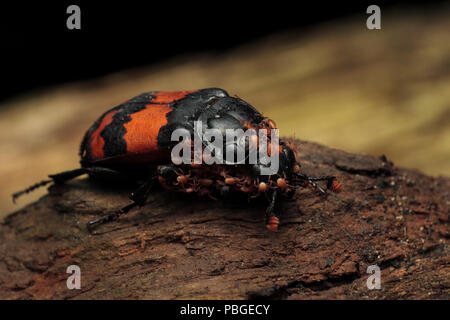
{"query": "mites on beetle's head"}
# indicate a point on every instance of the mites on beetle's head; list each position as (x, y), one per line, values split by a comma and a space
(135, 141)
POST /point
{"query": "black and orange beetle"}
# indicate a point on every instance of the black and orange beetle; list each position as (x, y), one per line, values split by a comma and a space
(133, 141)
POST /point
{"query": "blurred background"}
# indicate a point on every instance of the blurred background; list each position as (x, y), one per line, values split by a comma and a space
(316, 70)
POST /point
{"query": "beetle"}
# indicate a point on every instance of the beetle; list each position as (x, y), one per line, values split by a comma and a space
(133, 141)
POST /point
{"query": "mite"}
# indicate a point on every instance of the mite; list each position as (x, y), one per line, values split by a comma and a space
(132, 142)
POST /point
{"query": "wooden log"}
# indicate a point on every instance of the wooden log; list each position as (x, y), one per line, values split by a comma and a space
(197, 248)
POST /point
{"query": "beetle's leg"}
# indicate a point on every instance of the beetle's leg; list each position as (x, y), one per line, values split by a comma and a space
(138, 197)
(174, 178)
(141, 194)
(329, 179)
(272, 218)
(107, 174)
(67, 175)
(168, 172)
(111, 216)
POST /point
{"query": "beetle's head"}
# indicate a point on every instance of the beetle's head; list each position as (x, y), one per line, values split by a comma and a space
(280, 163)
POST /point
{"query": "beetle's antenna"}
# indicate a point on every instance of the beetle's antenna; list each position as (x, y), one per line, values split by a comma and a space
(29, 189)
(57, 178)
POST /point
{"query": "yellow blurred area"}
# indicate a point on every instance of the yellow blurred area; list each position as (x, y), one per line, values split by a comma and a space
(367, 91)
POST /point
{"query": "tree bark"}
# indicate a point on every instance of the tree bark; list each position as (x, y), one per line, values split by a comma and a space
(178, 247)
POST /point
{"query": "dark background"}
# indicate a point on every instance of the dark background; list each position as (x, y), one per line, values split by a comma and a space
(38, 50)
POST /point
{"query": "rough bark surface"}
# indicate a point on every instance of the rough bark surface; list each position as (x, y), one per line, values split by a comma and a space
(189, 248)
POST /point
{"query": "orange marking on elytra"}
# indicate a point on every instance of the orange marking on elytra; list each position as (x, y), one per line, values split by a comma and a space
(97, 141)
(142, 131)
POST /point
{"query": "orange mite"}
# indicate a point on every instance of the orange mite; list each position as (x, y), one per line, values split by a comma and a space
(182, 179)
(282, 183)
(273, 223)
(336, 186)
(262, 187)
(230, 180)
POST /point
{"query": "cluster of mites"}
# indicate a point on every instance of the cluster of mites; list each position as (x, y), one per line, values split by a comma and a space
(204, 180)
(216, 177)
